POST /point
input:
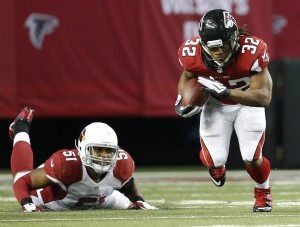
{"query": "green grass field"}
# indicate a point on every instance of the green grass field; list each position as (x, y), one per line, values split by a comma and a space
(185, 197)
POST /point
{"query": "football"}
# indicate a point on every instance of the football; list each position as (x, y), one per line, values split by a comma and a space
(192, 94)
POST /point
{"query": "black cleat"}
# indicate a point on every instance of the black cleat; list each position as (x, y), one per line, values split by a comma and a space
(218, 175)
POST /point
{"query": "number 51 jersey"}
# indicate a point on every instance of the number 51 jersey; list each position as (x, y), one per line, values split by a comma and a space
(74, 189)
(251, 58)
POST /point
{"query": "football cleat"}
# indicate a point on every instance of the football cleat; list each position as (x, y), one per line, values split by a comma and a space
(218, 175)
(263, 200)
(21, 123)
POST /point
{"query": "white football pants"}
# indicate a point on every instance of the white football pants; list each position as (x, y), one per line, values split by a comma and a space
(217, 122)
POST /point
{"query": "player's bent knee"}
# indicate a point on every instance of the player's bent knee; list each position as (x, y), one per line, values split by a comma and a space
(253, 163)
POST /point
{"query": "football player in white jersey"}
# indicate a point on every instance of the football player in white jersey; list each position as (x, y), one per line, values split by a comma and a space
(96, 175)
(232, 66)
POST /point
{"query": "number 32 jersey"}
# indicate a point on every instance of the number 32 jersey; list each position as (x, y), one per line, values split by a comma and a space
(252, 58)
(74, 189)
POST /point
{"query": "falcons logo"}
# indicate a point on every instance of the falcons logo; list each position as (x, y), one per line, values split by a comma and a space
(39, 25)
(229, 20)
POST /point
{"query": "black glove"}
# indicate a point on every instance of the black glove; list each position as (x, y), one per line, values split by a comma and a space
(187, 111)
(214, 87)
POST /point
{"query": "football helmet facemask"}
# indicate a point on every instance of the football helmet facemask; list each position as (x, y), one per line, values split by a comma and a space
(95, 137)
(216, 28)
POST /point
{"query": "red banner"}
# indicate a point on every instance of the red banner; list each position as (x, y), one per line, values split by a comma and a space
(110, 58)
(285, 29)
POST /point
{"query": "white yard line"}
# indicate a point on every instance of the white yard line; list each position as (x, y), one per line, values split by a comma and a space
(277, 203)
(150, 218)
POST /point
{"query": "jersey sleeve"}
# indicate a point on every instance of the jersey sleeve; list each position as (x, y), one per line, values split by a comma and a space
(261, 62)
(125, 167)
(255, 56)
(64, 166)
(189, 54)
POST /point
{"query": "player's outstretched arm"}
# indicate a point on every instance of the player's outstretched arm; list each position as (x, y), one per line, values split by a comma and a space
(131, 190)
(22, 187)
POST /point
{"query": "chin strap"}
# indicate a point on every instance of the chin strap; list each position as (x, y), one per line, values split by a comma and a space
(101, 169)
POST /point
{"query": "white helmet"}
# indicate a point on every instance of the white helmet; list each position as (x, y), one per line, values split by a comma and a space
(96, 135)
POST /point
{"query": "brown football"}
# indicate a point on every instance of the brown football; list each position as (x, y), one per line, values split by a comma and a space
(192, 94)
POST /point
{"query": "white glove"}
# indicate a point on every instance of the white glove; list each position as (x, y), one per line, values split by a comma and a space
(214, 87)
(140, 205)
(187, 111)
(30, 207)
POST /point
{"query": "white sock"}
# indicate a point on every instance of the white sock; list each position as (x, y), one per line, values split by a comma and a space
(21, 136)
(264, 185)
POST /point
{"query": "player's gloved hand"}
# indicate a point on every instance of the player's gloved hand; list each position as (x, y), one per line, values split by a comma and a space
(214, 87)
(187, 111)
(29, 206)
(141, 205)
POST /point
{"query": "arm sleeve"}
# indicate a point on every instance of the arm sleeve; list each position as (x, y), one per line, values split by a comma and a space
(261, 62)
(22, 187)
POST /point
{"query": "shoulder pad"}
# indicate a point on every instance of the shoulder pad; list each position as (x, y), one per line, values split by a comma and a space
(65, 166)
(125, 166)
(189, 53)
(254, 54)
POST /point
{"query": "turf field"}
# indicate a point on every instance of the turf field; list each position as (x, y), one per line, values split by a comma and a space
(185, 197)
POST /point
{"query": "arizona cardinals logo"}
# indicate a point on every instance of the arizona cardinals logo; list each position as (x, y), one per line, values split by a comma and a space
(39, 25)
(82, 135)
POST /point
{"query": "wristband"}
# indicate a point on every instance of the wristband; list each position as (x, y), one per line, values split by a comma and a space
(138, 198)
(25, 201)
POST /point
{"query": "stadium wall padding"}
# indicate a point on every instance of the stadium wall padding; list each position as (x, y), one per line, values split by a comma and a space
(81, 61)
(90, 58)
